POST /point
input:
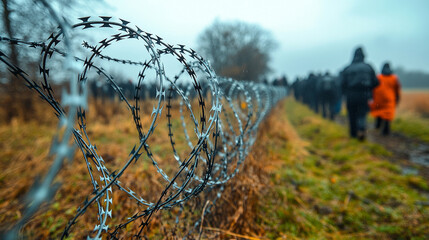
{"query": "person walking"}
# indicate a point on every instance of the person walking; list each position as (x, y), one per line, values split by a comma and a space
(357, 82)
(329, 95)
(386, 97)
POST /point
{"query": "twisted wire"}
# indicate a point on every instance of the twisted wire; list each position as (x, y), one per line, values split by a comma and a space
(219, 120)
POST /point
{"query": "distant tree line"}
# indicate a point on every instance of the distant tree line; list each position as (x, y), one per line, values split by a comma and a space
(412, 79)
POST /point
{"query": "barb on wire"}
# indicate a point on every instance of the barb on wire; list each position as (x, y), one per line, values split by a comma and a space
(44, 189)
(218, 117)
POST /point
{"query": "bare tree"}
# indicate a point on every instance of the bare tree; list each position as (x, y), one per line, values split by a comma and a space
(12, 89)
(7, 26)
(237, 49)
(25, 20)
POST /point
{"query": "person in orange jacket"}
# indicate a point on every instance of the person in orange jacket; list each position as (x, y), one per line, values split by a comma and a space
(385, 99)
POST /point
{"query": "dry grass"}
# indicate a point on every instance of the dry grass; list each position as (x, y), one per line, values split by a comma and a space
(294, 183)
(24, 156)
(413, 115)
(414, 102)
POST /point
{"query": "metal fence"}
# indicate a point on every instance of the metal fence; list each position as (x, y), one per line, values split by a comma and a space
(219, 119)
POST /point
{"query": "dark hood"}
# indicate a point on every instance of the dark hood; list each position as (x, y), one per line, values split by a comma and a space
(358, 57)
(386, 69)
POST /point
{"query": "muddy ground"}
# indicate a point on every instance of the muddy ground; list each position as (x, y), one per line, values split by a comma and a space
(410, 153)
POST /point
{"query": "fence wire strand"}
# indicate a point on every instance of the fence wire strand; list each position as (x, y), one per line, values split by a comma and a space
(219, 119)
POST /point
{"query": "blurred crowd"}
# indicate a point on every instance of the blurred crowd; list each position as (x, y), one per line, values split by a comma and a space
(357, 85)
(362, 90)
(147, 90)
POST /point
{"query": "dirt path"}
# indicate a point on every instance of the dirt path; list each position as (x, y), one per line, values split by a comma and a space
(410, 153)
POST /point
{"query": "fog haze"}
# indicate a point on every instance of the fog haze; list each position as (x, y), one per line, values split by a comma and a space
(312, 35)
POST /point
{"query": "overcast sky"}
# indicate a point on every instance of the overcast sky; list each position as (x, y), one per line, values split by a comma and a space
(313, 35)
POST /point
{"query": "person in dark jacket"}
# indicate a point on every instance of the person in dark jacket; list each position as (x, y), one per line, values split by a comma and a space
(311, 97)
(329, 95)
(357, 82)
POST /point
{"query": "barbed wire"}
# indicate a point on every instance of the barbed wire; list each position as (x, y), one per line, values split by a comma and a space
(44, 189)
(219, 119)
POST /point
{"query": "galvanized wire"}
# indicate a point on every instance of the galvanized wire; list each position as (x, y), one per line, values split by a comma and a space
(44, 189)
(219, 121)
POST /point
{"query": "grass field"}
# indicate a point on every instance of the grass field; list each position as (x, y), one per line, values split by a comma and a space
(304, 179)
(414, 101)
(413, 115)
(338, 188)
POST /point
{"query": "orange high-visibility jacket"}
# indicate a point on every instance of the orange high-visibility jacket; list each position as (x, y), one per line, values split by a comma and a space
(385, 97)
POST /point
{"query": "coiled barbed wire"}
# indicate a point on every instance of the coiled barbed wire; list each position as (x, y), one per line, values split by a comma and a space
(43, 189)
(219, 119)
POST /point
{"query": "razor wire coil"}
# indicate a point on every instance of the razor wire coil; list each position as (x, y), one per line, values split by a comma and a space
(219, 118)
